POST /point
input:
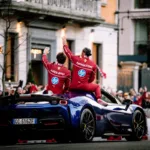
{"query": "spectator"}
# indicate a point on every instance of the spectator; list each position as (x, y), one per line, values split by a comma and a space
(146, 100)
(19, 90)
(141, 90)
(120, 95)
(12, 92)
(141, 98)
(7, 91)
(127, 99)
(33, 88)
(126, 96)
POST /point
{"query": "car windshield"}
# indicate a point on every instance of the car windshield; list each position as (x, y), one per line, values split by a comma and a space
(107, 97)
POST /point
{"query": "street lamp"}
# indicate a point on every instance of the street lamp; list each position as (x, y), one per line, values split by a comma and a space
(36, 52)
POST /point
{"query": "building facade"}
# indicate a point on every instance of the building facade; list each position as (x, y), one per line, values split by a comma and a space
(36, 24)
(134, 43)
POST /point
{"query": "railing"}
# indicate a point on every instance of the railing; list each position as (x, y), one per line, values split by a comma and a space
(89, 8)
(86, 5)
(59, 3)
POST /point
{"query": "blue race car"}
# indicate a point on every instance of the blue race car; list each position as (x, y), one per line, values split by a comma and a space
(74, 116)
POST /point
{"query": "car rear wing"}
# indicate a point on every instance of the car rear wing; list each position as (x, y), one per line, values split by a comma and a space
(8, 100)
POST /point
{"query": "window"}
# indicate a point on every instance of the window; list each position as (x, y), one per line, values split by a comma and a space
(142, 36)
(37, 67)
(142, 3)
(97, 57)
(11, 57)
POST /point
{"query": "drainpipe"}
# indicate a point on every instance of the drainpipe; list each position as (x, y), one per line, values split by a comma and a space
(118, 29)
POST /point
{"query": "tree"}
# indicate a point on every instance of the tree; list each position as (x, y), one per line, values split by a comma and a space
(30, 77)
(7, 20)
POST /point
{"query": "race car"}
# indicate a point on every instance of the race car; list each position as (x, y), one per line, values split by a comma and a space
(74, 116)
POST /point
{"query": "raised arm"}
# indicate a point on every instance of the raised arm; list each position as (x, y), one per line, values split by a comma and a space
(44, 57)
(66, 49)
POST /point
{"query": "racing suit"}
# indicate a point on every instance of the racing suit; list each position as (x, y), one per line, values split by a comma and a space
(58, 76)
(83, 74)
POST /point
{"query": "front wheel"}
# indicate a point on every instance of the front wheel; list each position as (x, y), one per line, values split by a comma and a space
(87, 125)
(138, 126)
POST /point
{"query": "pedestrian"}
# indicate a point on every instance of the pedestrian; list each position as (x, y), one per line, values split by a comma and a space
(83, 73)
(120, 96)
(58, 75)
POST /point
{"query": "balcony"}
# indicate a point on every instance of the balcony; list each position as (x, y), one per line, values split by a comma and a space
(84, 12)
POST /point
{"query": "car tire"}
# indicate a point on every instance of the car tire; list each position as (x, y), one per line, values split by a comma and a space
(138, 126)
(87, 126)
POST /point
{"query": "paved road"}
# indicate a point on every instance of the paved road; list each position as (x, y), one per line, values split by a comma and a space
(99, 145)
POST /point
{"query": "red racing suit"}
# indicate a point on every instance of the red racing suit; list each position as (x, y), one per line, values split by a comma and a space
(83, 74)
(59, 77)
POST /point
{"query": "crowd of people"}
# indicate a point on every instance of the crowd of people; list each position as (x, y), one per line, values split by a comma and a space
(27, 89)
(142, 97)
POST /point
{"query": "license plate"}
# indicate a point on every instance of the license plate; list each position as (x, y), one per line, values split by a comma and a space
(24, 121)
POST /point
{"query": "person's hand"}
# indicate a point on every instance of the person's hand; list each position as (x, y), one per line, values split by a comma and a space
(103, 75)
(64, 40)
(145, 89)
(46, 50)
(141, 90)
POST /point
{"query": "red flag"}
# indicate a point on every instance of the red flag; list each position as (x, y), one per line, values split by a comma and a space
(102, 74)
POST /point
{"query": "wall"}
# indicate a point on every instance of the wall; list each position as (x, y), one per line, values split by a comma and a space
(1, 56)
(82, 37)
(20, 66)
(127, 35)
(107, 12)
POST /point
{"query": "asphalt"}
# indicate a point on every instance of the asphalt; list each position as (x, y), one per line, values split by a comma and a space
(98, 145)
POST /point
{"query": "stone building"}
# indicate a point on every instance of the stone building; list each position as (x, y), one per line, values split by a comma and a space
(36, 24)
(134, 43)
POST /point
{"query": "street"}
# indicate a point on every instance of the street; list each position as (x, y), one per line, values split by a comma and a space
(99, 145)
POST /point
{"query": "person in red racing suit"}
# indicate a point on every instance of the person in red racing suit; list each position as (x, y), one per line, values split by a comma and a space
(84, 71)
(58, 75)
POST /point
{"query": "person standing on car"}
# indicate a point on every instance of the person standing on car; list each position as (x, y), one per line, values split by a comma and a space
(84, 71)
(58, 75)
